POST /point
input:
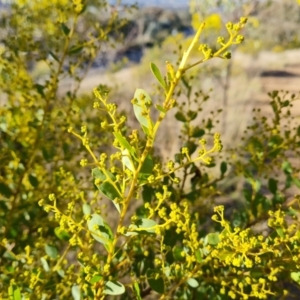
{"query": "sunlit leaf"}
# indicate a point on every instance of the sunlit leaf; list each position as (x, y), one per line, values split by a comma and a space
(212, 239)
(61, 234)
(139, 108)
(76, 292)
(45, 264)
(100, 231)
(114, 288)
(124, 143)
(14, 292)
(158, 75)
(86, 208)
(193, 283)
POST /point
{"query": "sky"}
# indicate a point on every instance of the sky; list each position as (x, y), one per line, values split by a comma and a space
(164, 3)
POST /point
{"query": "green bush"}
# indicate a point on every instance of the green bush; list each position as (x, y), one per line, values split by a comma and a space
(138, 226)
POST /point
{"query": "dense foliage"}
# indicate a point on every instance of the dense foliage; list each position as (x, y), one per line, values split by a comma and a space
(88, 208)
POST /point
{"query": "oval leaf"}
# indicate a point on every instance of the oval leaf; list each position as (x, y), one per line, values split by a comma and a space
(157, 284)
(212, 239)
(76, 292)
(139, 108)
(158, 75)
(193, 283)
(100, 231)
(180, 117)
(51, 251)
(45, 264)
(14, 292)
(86, 208)
(223, 167)
(114, 288)
(61, 234)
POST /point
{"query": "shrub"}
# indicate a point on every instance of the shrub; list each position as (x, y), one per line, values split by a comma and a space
(139, 227)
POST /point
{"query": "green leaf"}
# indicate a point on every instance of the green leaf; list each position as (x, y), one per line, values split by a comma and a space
(147, 167)
(160, 108)
(5, 190)
(223, 167)
(98, 174)
(280, 232)
(109, 190)
(86, 208)
(156, 283)
(198, 132)
(75, 49)
(296, 182)
(177, 250)
(212, 239)
(45, 264)
(33, 180)
(61, 234)
(180, 117)
(296, 276)
(114, 288)
(147, 193)
(191, 146)
(198, 256)
(76, 292)
(51, 251)
(40, 89)
(54, 56)
(272, 185)
(96, 279)
(100, 230)
(65, 29)
(192, 115)
(158, 75)
(126, 160)
(286, 167)
(14, 292)
(137, 290)
(142, 226)
(124, 143)
(61, 273)
(192, 283)
(298, 130)
(139, 108)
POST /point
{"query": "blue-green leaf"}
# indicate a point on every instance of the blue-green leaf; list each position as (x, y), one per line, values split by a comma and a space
(114, 288)
(100, 230)
(45, 264)
(139, 108)
(142, 226)
(192, 283)
(76, 292)
(51, 251)
(126, 160)
(86, 208)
